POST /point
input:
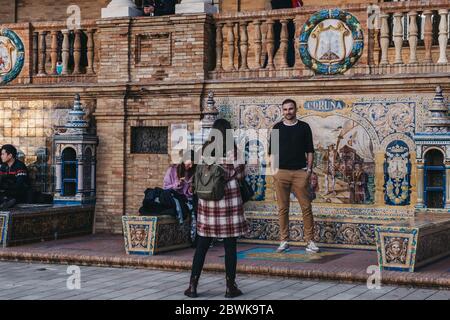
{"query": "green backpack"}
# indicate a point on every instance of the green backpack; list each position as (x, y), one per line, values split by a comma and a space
(209, 182)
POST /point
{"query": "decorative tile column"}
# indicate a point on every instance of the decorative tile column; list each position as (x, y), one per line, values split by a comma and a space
(120, 8)
(77, 137)
(436, 135)
(195, 6)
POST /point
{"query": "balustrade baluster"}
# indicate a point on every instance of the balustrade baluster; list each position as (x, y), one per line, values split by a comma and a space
(428, 36)
(384, 39)
(413, 33)
(54, 51)
(284, 39)
(230, 41)
(219, 47)
(270, 44)
(258, 43)
(90, 51)
(243, 39)
(77, 52)
(443, 36)
(398, 37)
(65, 52)
(35, 52)
(42, 53)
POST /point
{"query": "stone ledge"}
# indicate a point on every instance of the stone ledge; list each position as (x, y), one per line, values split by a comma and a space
(404, 279)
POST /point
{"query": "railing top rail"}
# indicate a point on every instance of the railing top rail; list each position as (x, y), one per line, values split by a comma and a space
(61, 25)
(48, 25)
(418, 5)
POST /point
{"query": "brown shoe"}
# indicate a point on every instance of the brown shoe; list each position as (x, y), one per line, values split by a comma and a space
(232, 289)
(192, 290)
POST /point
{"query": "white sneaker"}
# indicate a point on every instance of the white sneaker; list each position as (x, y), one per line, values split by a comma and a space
(284, 246)
(311, 247)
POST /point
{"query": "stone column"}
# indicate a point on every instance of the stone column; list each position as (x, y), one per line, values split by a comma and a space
(58, 173)
(413, 32)
(420, 186)
(443, 36)
(93, 176)
(195, 6)
(80, 184)
(120, 8)
(447, 185)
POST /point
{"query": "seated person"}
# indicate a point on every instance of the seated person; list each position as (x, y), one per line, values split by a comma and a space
(14, 182)
(179, 178)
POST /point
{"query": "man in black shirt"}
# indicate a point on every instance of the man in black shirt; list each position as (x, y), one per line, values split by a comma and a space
(295, 162)
(14, 182)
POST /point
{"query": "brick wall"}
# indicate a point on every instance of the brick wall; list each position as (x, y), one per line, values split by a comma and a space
(49, 10)
(161, 48)
(7, 11)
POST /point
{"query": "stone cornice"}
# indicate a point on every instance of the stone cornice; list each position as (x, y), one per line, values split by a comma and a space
(268, 86)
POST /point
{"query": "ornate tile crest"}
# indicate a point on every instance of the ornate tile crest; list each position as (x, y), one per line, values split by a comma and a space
(331, 41)
(397, 174)
(11, 55)
(396, 247)
(139, 234)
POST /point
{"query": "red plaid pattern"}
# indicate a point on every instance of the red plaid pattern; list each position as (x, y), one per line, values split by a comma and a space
(224, 218)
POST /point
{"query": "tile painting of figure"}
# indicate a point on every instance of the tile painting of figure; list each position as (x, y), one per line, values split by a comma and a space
(344, 160)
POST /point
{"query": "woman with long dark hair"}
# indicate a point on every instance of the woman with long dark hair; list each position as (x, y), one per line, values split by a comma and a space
(222, 218)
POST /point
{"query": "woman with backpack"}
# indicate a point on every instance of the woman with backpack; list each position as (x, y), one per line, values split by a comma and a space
(222, 217)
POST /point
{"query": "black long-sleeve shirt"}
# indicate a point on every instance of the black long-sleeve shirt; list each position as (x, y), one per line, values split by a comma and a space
(14, 180)
(295, 141)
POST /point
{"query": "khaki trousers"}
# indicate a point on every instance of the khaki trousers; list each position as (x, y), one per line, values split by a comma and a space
(297, 181)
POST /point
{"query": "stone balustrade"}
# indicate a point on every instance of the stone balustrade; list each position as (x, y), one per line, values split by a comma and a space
(404, 37)
(62, 55)
(413, 38)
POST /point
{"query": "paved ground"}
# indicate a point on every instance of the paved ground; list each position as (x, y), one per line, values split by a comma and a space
(27, 281)
(108, 251)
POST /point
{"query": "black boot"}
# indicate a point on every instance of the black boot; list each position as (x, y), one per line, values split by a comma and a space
(232, 289)
(192, 290)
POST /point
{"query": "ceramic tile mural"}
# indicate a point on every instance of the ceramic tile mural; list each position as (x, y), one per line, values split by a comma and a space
(349, 132)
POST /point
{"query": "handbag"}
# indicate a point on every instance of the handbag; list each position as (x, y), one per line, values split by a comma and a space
(246, 191)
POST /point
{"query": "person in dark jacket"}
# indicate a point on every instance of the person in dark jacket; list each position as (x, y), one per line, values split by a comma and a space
(164, 7)
(14, 181)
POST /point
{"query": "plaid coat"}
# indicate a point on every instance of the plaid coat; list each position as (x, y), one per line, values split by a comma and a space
(224, 218)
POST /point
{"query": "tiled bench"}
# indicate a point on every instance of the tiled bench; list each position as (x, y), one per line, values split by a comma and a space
(404, 246)
(148, 235)
(27, 223)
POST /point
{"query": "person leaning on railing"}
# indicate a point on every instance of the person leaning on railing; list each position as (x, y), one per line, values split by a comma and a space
(159, 7)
